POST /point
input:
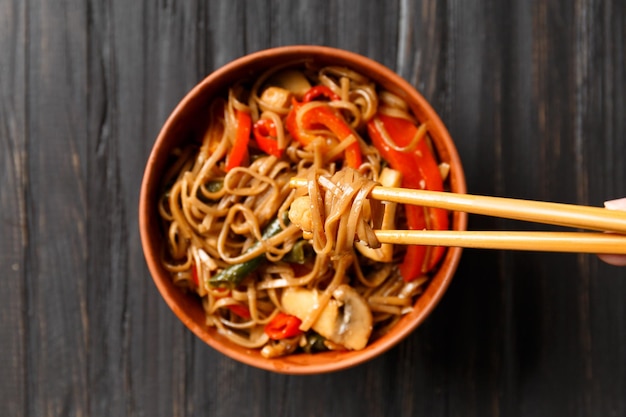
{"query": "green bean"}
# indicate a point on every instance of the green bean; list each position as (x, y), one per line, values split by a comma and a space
(233, 275)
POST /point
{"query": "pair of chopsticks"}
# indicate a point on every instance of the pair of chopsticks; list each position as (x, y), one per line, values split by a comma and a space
(568, 215)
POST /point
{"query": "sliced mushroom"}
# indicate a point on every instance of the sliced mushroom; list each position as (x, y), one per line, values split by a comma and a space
(276, 97)
(356, 319)
(345, 320)
(292, 80)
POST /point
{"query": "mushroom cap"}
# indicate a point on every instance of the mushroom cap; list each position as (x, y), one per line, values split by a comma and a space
(345, 320)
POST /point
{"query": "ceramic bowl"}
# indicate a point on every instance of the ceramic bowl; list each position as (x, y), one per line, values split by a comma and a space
(189, 112)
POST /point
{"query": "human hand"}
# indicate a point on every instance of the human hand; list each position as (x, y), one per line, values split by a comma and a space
(618, 260)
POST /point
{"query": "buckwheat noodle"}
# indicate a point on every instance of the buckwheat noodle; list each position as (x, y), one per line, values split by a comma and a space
(215, 218)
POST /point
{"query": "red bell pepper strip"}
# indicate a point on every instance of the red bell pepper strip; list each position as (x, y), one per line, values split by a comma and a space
(239, 151)
(283, 326)
(194, 275)
(240, 310)
(292, 125)
(419, 171)
(320, 91)
(325, 116)
(265, 135)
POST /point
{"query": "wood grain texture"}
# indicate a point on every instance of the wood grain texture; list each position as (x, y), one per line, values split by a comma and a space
(534, 94)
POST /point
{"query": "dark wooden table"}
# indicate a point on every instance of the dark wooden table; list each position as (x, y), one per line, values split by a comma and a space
(534, 93)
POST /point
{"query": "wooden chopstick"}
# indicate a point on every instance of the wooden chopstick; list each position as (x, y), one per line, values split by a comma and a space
(531, 241)
(584, 217)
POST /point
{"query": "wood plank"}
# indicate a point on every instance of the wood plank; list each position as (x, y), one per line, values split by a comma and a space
(55, 311)
(14, 206)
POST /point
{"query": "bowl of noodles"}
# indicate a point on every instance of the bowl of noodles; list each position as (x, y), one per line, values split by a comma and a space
(256, 218)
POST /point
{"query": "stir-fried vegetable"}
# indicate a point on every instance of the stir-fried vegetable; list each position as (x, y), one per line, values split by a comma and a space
(265, 136)
(240, 310)
(420, 171)
(323, 115)
(283, 326)
(320, 91)
(314, 343)
(301, 252)
(239, 150)
(232, 276)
